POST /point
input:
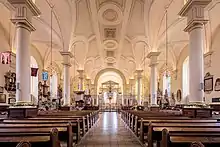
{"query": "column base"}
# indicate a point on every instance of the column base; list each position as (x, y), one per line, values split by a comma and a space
(154, 108)
(66, 108)
(22, 112)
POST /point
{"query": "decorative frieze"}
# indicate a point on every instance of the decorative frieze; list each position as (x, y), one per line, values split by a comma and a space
(194, 11)
(24, 11)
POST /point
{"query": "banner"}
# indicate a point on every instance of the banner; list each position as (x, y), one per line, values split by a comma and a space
(34, 72)
(45, 76)
(6, 58)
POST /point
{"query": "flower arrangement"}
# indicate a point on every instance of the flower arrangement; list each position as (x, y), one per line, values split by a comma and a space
(197, 105)
(22, 104)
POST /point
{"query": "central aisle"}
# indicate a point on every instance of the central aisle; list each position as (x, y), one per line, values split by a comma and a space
(109, 131)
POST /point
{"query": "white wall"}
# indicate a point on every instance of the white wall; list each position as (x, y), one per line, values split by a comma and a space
(214, 69)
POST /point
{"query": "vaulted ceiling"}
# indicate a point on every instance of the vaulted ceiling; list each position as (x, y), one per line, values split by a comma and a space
(109, 33)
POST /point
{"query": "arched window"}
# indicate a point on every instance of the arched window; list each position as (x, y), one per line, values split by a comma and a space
(167, 84)
(53, 85)
(185, 78)
(34, 80)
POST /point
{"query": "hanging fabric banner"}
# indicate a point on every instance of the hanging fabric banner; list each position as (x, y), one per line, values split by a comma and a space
(5, 57)
(45, 76)
(34, 72)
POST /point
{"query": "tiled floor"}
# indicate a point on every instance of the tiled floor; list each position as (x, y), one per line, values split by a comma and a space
(109, 132)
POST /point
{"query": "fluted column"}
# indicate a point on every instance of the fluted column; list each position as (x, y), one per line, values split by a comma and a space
(153, 76)
(66, 79)
(194, 11)
(25, 10)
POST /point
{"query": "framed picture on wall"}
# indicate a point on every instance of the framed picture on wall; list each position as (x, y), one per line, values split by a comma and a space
(11, 100)
(208, 83)
(2, 98)
(217, 84)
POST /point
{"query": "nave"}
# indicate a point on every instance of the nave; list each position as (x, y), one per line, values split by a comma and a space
(109, 131)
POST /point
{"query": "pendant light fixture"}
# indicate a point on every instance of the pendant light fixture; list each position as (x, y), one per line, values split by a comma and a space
(166, 52)
(51, 49)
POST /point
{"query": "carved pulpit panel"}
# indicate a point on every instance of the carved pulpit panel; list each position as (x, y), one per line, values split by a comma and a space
(10, 81)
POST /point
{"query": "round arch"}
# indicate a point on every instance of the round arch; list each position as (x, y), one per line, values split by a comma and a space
(98, 75)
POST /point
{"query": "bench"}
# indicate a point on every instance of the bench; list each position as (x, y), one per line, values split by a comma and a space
(152, 123)
(90, 116)
(11, 137)
(75, 124)
(183, 137)
(63, 129)
(144, 125)
(155, 129)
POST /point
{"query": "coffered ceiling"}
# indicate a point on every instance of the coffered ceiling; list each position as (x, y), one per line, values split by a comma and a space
(109, 33)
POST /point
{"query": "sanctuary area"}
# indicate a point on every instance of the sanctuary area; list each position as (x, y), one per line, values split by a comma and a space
(101, 73)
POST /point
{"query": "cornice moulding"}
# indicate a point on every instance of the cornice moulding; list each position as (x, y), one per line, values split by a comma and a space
(33, 8)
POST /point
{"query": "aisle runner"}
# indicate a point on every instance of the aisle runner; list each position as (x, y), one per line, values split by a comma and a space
(109, 131)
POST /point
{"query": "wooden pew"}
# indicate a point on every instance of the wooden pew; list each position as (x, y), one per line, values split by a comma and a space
(140, 127)
(75, 124)
(90, 116)
(183, 137)
(63, 129)
(144, 125)
(155, 129)
(10, 137)
(82, 121)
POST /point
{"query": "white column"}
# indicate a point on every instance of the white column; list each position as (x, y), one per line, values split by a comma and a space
(139, 76)
(153, 77)
(66, 79)
(22, 18)
(196, 64)
(80, 71)
(195, 22)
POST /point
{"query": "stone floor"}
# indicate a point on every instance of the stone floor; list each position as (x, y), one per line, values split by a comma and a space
(109, 132)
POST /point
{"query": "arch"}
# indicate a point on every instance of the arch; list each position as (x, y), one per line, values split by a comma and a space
(98, 75)
(107, 70)
(34, 80)
(78, 39)
(185, 78)
(37, 56)
(213, 37)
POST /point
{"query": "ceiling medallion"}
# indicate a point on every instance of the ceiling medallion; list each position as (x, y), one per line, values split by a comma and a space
(110, 60)
(110, 14)
(110, 44)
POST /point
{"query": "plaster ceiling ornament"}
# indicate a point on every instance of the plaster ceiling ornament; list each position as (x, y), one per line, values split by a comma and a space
(110, 14)
(110, 33)
(110, 45)
(110, 60)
